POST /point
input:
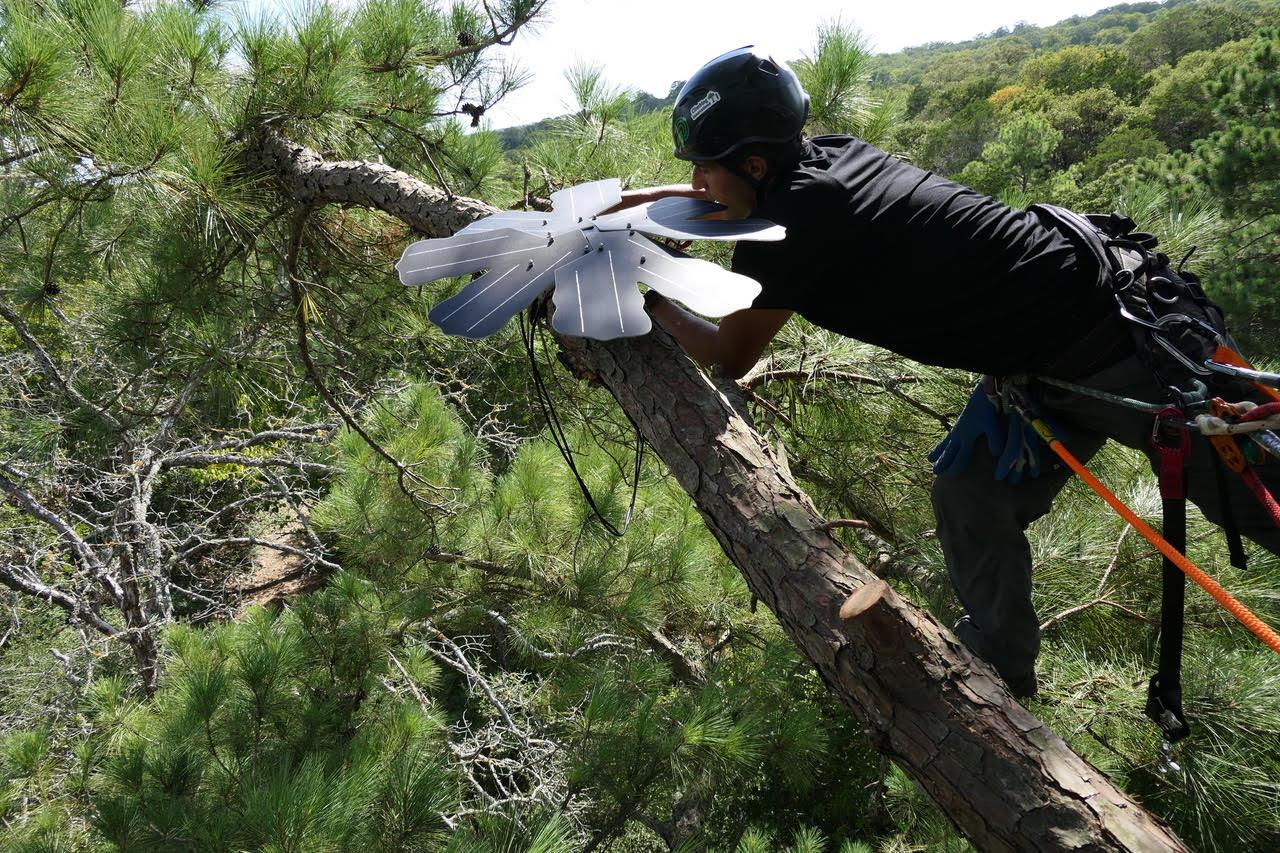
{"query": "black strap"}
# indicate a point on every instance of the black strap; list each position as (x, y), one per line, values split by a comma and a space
(1231, 527)
(1164, 692)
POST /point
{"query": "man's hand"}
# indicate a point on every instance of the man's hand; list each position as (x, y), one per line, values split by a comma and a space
(631, 198)
(736, 344)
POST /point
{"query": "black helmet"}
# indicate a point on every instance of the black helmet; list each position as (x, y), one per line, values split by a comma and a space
(734, 99)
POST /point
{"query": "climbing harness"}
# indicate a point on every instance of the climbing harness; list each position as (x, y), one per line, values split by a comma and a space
(1238, 610)
(1179, 334)
(1171, 441)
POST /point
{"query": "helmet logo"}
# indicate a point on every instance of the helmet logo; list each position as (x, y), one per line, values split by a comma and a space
(680, 130)
(708, 101)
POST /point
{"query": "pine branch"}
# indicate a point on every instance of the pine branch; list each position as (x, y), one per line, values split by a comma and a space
(50, 371)
(686, 669)
(80, 549)
(1088, 605)
(308, 178)
(305, 433)
(496, 36)
(403, 473)
(205, 545)
(600, 641)
(432, 555)
(754, 379)
(19, 155)
(201, 459)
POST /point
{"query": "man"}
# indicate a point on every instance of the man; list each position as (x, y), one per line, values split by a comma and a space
(882, 251)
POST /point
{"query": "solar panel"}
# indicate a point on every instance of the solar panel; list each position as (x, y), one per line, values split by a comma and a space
(593, 261)
(514, 279)
(679, 218)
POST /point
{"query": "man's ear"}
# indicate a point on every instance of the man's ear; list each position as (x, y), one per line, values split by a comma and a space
(756, 166)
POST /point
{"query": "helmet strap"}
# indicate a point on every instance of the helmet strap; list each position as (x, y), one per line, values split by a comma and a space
(756, 184)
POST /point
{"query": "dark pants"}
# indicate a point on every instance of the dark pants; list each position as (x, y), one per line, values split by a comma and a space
(981, 520)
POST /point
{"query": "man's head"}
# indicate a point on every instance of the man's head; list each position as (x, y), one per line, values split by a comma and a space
(739, 119)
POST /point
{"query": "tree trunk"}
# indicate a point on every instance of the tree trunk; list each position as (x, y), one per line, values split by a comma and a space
(1003, 778)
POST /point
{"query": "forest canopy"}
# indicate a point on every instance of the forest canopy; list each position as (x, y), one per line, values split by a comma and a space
(283, 567)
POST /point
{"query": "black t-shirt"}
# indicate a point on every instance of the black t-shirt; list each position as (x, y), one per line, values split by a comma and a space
(880, 250)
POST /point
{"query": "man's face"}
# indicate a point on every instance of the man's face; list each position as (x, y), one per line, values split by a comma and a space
(724, 187)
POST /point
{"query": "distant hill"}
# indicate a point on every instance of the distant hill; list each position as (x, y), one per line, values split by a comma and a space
(908, 66)
(515, 137)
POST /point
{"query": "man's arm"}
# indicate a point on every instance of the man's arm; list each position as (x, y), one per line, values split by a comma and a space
(736, 344)
(631, 198)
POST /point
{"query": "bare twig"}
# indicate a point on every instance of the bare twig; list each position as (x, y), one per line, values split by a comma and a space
(756, 378)
(1080, 608)
(238, 541)
(685, 668)
(75, 607)
(847, 522)
(434, 556)
(78, 547)
(600, 641)
(50, 371)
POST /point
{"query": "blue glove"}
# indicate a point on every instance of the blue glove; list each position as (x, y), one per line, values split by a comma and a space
(978, 419)
(1010, 438)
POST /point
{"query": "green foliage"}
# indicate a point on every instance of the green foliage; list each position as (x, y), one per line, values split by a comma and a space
(1018, 158)
(604, 137)
(275, 733)
(483, 623)
(571, 595)
(1241, 167)
(1180, 30)
(836, 78)
(1127, 145)
(949, 145)
(1242, 162)
(1077, 68)
(1179, 107)
(1084, 119)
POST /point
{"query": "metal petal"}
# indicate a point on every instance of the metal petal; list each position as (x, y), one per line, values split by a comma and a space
(677, 217)
(574, 205)
(428, 260)
(596, 297)
(704, 287)
(530, 222)
(486, 304)
(571, 207)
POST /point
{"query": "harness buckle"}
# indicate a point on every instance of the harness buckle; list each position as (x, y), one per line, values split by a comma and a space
(1164, 707)
(1226, 445)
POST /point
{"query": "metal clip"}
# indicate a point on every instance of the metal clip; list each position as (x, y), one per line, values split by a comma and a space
(1164, 761)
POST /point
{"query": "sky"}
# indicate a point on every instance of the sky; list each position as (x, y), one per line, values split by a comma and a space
(648, 44)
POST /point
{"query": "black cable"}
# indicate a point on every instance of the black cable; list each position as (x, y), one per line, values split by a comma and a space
(558, 437)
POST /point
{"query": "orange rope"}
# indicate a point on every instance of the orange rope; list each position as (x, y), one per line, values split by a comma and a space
(1208, 584)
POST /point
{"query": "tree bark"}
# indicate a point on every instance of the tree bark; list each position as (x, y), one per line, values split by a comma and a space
(306, 177)
(1003, 778)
